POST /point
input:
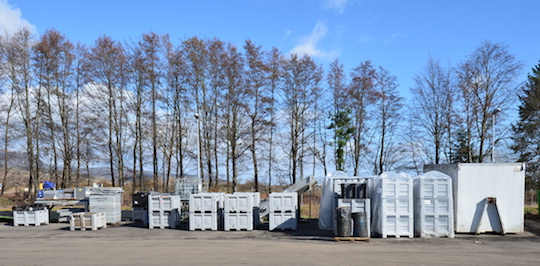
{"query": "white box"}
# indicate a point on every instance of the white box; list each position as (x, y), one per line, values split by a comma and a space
(397, 226)
(472, 183)
(283, 202)
(163, 219)
(238, 221)
(163, 202)
(27, 218)
(203, 221)
(396, 188)
(87, 220)
(205, 202)
(255, 195)
(282, 221)
(397, 207)
(238, 202)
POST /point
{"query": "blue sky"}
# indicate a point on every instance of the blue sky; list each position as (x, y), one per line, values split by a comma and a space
(397, 35)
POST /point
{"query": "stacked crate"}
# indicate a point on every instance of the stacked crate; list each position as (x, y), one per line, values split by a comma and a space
(392, 205)
(238, 211)
(163, 211)
(33, 217)
(109, 204)
(283, 211)
(433, 209)
(203, 211)
(87, 220)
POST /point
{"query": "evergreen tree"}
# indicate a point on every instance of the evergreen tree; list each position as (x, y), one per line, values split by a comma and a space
(527, 129)
(343, 130)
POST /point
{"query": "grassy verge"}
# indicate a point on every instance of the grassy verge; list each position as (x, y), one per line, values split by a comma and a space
(531, 210)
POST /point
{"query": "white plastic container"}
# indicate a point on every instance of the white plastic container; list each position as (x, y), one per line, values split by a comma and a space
(203, 221)
(163, 202)
(473, 183)
(433, 205)
(109, 204)
(282, 221)
(238, 202)
(163, 219)
(205, 202)
(87, 220)
(238, 221)
(28, 218)
(283, 202)
(392, 205)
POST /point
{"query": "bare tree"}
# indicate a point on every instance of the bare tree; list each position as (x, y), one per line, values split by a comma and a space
(274, 63)
(433, 96)
(237, 127)
(387, 112)
(179, 104)
(6, 110)
(301, 80)
(18, 53)
(107, 61)
(487, 81)
(360, 99)
(196, 56)
(258, 102)
(54, 61)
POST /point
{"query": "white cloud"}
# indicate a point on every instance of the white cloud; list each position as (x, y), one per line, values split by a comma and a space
(308, 44)
(394, 37)
(338, 5)
(11, 19)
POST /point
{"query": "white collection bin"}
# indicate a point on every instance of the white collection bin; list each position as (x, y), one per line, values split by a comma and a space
(238, 221)
(28, 218)
(392, 205)
(238, 202)
(283, 202)
(87, 220)
(203, 221)
(205, 202)
(282, 221)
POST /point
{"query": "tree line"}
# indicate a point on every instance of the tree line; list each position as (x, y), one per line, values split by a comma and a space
(147, 108)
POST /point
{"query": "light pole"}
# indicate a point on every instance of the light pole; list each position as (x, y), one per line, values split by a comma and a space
(494, 113)
(199, 170)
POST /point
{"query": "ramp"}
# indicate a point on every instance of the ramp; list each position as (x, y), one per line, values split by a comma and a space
(300, 186)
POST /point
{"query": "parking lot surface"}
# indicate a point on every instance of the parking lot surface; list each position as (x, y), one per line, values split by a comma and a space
(132, 244)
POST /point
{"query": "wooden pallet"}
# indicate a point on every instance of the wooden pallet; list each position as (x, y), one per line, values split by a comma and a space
(350, 239)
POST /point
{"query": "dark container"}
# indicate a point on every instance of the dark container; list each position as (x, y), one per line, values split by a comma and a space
(343, 221)
(360, 224)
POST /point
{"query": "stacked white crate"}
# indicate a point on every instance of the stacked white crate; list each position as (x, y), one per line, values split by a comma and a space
(109, 204)
(163, 211)
(392, 205)
(26, 218)
(238, 211)
(433, 209)
(283, 211)
(203, 211)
